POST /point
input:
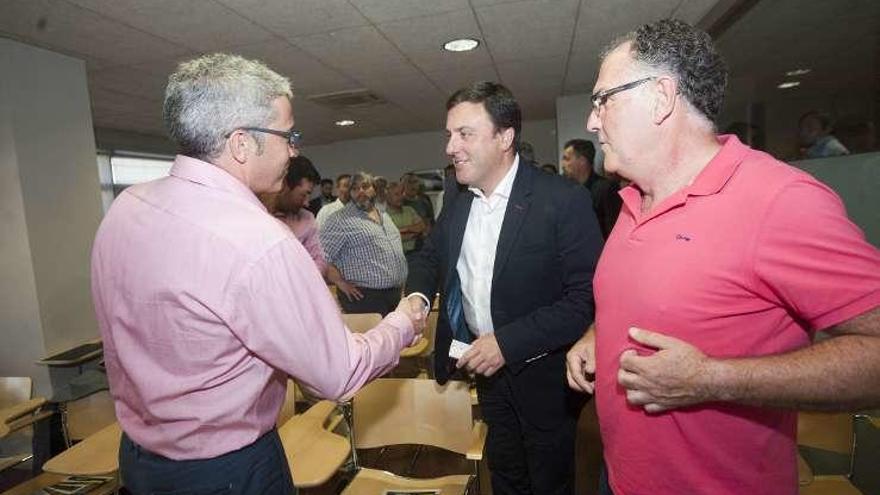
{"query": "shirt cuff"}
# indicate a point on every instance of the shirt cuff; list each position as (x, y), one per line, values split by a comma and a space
(402, 322)
(424, 298)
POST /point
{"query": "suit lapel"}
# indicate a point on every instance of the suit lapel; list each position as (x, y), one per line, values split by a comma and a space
(517, 208)
(458, 222)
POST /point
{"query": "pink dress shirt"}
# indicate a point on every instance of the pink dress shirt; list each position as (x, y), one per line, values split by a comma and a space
(305, 228)
(206, 304)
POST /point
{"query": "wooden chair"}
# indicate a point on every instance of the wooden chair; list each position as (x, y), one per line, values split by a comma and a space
(314, 453)
(18, 412)
(96, 455)
(831, 433)
(415, 411)
(88, 415)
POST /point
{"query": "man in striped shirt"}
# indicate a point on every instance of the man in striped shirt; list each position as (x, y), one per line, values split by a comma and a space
(364, 245)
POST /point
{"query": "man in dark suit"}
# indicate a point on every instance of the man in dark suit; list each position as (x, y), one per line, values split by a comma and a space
(514, 256)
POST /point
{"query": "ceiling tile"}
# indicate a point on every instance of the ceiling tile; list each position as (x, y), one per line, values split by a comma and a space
(451, 81)
(389, 10)
(307, 75)
(336, 49)
(60, 26)
(693, 11)
(197, 24)
(422, 40)
(300, 18)
(550, 67)
(130, 81)
(601, 21)
(531, 29)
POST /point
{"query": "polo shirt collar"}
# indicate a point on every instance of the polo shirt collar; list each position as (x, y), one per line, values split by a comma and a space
(211, 176)
(709, 181)
(720, 168)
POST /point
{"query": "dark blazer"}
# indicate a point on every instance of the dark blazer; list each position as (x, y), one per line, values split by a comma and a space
(542, 299)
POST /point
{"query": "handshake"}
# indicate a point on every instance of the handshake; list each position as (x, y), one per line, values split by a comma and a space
(416, 310)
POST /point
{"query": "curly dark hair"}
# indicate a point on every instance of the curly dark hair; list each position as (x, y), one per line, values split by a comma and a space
(688, 53)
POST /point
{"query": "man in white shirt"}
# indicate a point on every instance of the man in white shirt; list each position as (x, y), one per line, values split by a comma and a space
(343, 196)
(515, 268)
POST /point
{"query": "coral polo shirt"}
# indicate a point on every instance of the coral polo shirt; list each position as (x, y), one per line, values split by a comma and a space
(749, 260)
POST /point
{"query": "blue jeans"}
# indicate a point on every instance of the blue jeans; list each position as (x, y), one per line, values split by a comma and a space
(259, 468)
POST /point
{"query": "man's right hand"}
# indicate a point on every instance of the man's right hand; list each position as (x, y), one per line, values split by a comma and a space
(581, 363)
(350, 291)
(413, 307)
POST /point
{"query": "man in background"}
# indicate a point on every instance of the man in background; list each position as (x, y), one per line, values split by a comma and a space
(325, 198)
(343, 184)
(288, 206)
(577, 165)
(364, 245)
(408, 222)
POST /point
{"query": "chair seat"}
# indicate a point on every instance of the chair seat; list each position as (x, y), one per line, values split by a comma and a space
(10, 461)
(829, 485)
(416, 349)
(96, 455)
(313, 453)
(374, 481)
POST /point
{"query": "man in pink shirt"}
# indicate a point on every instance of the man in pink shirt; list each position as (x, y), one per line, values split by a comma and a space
(289, 206)
(206, 304)
(723, 264)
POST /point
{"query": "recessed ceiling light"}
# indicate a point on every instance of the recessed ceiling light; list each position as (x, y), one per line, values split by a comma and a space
(344, 123)
(789, 84)
(461, 45)
(797, 72)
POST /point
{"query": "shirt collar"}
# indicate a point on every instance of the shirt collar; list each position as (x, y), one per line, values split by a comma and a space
(720, 168)
(505, 187)
(211, 176)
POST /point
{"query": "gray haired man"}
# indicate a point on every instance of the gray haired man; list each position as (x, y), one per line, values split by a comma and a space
(206, 303)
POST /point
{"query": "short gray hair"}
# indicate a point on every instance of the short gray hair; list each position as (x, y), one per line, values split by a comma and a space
(359, 177)
(688, 54)
(213, 95)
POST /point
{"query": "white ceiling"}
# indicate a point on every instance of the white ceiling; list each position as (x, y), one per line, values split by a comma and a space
(539, 48)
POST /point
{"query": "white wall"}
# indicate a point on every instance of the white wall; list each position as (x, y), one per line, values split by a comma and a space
(51, 207)
(391, 156)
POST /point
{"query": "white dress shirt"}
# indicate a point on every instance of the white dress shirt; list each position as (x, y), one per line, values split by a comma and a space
(327, 210)
(477, 259)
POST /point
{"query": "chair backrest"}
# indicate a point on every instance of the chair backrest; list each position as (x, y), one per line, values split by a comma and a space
(288, 408)
(89, 415)
(828, 431)
(430, 331)
(394, 411)
(15, 390)
(361, 322)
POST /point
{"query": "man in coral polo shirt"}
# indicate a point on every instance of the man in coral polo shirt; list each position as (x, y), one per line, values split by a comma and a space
(722, 266)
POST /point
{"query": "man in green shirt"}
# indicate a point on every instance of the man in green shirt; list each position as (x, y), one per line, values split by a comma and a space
(407, 220)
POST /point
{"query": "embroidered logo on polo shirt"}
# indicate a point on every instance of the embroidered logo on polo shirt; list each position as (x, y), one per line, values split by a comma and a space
(683, 237)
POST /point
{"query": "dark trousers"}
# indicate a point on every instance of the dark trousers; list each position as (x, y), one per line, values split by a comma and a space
(258, 469)
(382, 301)
(524, 459)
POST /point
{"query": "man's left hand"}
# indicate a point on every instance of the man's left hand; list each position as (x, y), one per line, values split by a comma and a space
(674, 376)
(484, 357)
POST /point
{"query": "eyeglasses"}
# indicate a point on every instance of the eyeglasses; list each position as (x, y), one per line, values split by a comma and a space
(294, 138)
(600, 97)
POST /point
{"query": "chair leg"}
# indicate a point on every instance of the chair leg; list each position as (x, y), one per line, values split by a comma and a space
(348, 415)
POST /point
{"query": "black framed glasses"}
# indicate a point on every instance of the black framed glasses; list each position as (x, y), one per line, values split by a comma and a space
(293, 137)
(600, 97)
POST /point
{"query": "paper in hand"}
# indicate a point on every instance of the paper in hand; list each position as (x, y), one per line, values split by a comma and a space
(457, 349)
